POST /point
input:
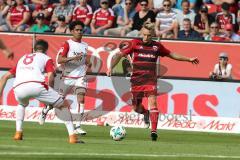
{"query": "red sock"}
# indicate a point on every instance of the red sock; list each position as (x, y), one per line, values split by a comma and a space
(154, 119)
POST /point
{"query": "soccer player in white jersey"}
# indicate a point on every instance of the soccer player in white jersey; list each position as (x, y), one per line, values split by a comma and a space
(30, 83)
(74, 71)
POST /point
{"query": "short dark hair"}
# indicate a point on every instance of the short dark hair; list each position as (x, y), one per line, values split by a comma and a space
(41, 45)
(75, 23)
(143, 1)
(183, 1)
(167, 1)
(225, 6)
(187, 20)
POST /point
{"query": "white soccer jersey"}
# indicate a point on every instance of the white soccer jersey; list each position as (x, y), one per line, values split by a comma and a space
(31, 68)
(74, 69)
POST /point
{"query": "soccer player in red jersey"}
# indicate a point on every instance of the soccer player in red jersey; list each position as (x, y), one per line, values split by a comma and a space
(145, 53)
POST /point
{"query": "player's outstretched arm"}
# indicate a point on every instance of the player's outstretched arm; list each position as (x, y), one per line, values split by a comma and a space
(6, 51)
(114, 62)
(4, 80)
(178, 57)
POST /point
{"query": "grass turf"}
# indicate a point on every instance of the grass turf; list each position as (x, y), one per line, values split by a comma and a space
(50, 142)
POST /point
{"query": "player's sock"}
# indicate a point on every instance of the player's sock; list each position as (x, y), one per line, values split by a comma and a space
(20, 113)
(65, 115)
(80, 112)
(70, 128)
(154, 118)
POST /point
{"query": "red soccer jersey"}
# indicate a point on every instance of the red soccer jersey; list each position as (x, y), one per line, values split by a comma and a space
(81, 13)
(16, 14)
(223, 20)
(144, 60)
(103, 16)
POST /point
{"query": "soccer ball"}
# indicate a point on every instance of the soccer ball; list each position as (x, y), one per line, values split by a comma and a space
(118, 133)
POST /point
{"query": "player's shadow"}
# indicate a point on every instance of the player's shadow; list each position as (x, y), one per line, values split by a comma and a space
(122, 84)
(109, 100)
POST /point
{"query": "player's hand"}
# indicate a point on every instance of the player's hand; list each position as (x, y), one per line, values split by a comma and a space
(109, 72)
(8, 53)
(194, 60)
(78, 58)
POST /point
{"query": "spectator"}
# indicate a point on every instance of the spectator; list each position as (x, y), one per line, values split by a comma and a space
(117, 8)
(202, 21)
(214, 34)
(188, 33)
(96, 4)
(230, 35)
(180, 6)
(32, 4)
(185, 13)
(4, 7)
(140, 18)
(64, 9)
(166, 23)
(17, 17)
(62, 26)
(40, 27)
(157, 5)
(46, 8)
(102, 18)
(222, 70)
(225, 17)
(124, 18)
(233, 6)
(83, 12)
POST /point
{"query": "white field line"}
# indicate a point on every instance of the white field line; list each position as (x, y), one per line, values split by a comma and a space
(116, 155)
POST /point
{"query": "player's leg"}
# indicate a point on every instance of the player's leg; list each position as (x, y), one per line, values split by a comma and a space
(62, 89)
(80, 90)
(80, 111)
(22, 96)
(139, 107)
(44, 113)
(52, 98)
(20, 114)
(152, 102)
(63, 113)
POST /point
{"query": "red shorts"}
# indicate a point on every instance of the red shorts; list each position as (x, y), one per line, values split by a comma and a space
(138, 92)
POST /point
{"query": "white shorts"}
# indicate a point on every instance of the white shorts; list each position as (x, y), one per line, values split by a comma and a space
(29, 90)
(73, 86)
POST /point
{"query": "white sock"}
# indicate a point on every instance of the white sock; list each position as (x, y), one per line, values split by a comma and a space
(81, 110)
(70, 127)
(65, 115)
(20, 113)
(80, 113)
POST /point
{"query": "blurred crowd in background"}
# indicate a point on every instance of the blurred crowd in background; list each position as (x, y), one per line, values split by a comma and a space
(212, 20)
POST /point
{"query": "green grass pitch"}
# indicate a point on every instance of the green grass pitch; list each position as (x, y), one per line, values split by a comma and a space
(50, 142)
